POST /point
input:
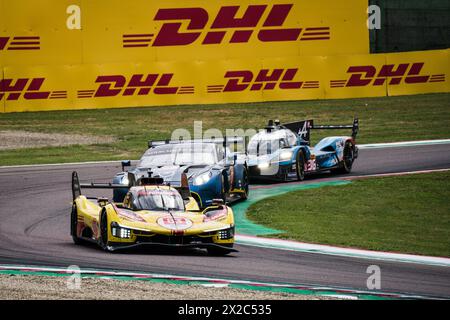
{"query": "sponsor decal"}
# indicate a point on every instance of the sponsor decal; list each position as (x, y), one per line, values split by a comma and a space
(176, 223)
(20, 43)
(129, 215)
(392, 74)
(184, 26)
(137, 84)
(265, 79)
(157, 192)
(28, 88)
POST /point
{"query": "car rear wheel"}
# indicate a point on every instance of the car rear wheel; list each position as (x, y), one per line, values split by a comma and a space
(74, 225)
(225, 188)
(349, 157)
(300, 166)
(246, 184)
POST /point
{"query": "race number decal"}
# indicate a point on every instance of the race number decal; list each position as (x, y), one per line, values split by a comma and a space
(179, 223)
(311, 165)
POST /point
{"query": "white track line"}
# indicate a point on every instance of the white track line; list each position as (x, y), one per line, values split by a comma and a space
(337, 251)
(403, 144)
(393, 174)
(61, 164)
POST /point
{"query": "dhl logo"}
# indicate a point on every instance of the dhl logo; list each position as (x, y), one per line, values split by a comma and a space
(195, 21)
(392, 74)
(113, 85)
(28, 88)
(265, 79)
(20, 43)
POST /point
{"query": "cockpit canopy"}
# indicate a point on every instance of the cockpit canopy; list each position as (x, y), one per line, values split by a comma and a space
(154, 199)
(182, 154)
(268, 142)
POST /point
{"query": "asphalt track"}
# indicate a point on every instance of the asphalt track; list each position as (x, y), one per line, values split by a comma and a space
(35, 207)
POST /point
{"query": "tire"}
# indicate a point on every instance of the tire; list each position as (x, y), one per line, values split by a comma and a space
(244, 195)
(349, 157)
(73, 225)
(300, 166)
(224, 194)
(215, 251)
(104, 230)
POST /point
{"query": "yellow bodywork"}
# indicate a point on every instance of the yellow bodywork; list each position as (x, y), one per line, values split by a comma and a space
(145, 224)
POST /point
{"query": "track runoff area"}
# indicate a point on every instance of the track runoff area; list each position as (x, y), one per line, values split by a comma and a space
(413, 157)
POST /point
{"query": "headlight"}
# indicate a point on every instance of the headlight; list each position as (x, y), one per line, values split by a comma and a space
(285, 155)
(226, 234)
(202, 179)
(119, 232)
(263, 165)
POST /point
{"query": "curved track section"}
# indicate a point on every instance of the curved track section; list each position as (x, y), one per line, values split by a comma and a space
(34, 213)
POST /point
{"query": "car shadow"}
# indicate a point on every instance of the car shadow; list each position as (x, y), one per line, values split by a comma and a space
(149, 250)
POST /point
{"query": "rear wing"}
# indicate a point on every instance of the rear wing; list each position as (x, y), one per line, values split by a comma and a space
(77, 186)
(303, 128)
(225, 141)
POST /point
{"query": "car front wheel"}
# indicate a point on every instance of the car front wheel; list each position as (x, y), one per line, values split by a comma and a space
(300, 166)
(104, 231)
(74, 225)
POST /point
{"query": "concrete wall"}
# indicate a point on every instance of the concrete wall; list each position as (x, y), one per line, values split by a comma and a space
(410, 25)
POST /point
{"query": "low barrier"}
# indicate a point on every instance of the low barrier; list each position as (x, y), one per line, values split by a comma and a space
(35, 88)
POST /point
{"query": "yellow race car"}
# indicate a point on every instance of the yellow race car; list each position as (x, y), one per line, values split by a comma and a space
(152, 214)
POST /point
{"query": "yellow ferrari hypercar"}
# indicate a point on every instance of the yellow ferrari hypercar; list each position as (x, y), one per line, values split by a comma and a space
(151, 214)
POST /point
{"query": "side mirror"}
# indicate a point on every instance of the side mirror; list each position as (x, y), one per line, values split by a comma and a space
(125, 163)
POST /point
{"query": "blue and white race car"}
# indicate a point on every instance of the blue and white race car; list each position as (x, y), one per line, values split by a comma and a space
(212, 169)
(283, 152)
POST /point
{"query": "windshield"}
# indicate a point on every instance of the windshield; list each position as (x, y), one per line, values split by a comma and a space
(179, 154)
(158, 199)
(264, 143)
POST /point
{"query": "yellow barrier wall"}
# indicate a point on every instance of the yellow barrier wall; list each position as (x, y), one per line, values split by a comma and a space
(119, 59)
(28, 88)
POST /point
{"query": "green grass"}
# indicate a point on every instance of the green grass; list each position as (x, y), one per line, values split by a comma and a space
(381, 119)
(408, 214)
